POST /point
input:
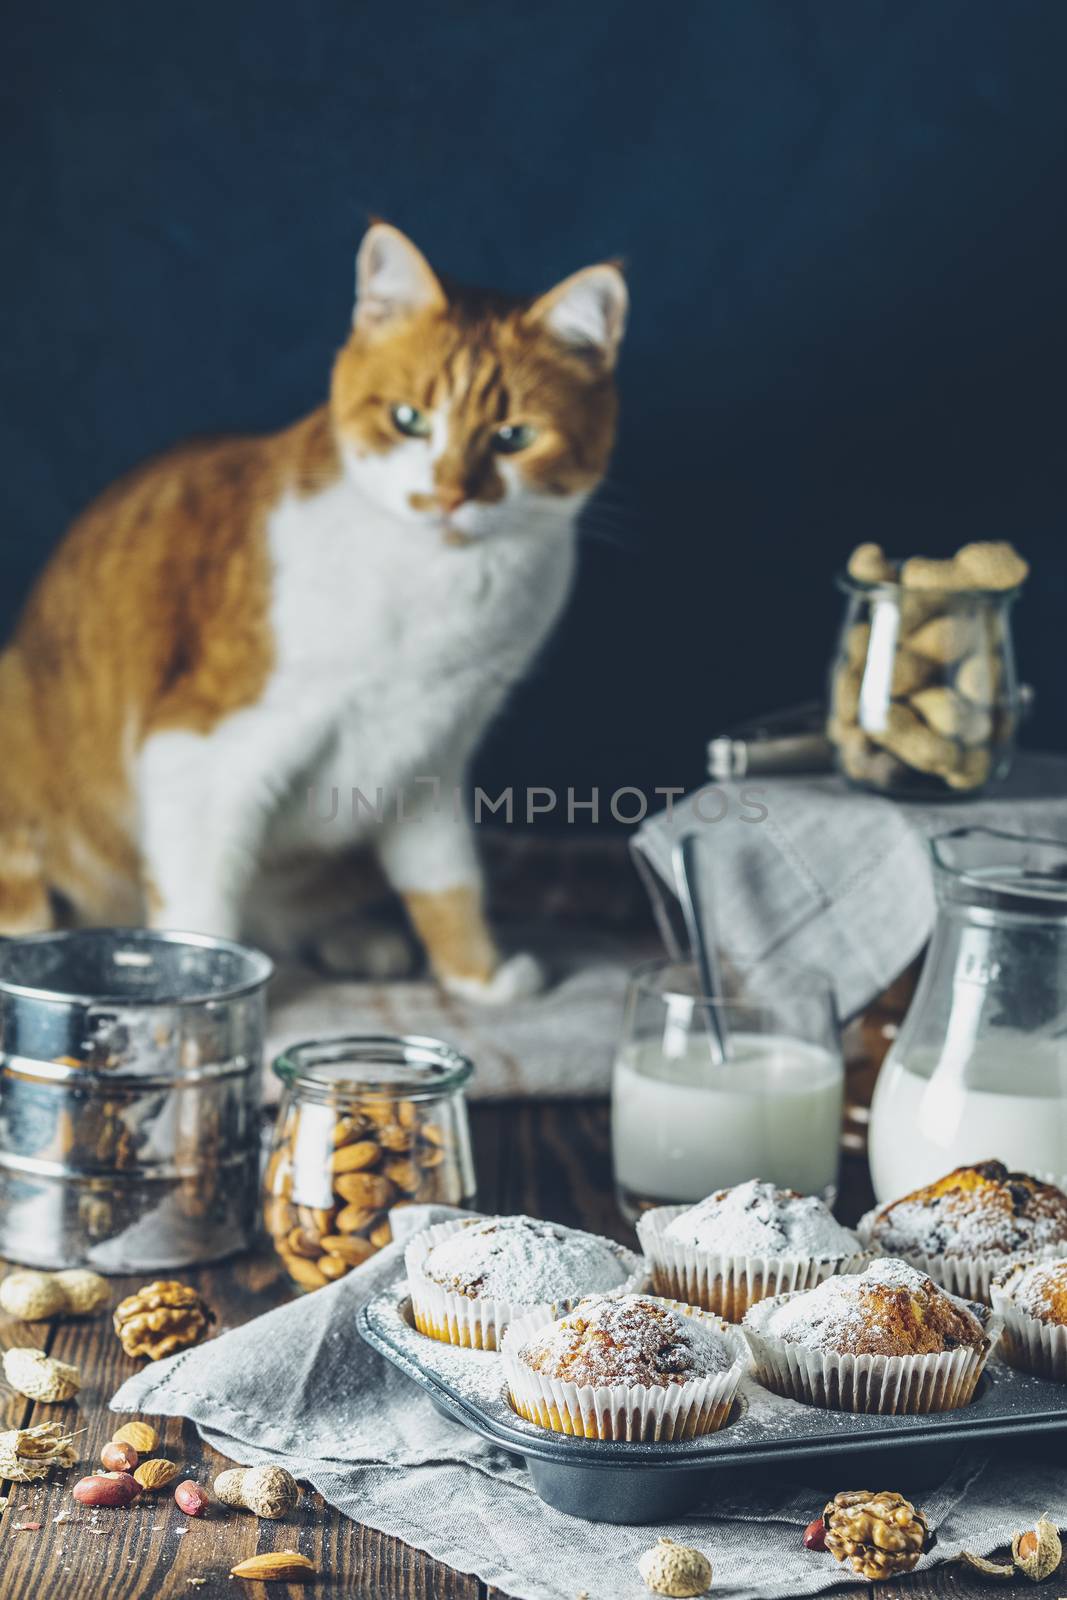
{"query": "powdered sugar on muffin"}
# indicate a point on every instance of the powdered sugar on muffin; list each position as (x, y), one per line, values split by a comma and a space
(1038, 1289)
(627, 1339)
(888, 1309)
(975, 1211)
(524, 1261)
(757, 1219)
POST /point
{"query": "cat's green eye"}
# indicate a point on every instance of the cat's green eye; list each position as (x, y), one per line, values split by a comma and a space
(509, 441)
(416, 424)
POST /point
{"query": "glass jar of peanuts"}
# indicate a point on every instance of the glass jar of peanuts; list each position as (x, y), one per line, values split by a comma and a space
(924, 698)
(365, 1124)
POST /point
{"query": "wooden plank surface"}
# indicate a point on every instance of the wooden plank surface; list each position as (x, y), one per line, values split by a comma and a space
(548, 1159)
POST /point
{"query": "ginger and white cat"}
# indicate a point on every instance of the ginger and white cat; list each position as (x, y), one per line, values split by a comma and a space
(345, 603)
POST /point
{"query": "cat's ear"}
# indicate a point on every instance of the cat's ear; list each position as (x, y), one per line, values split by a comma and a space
(393, 279)
(586, 312)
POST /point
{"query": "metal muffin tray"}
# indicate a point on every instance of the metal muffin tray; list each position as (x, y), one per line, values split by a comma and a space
(605, 1481)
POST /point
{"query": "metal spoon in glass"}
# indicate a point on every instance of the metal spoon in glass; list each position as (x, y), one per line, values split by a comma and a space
(700, 927)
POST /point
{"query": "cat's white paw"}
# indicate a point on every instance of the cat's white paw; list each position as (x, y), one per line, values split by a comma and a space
(517, 978)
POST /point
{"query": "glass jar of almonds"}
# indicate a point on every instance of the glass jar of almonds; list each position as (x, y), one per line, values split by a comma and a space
(365, 1124)
(924, 699)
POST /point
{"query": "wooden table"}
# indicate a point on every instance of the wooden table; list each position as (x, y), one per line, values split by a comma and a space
(545, 1159)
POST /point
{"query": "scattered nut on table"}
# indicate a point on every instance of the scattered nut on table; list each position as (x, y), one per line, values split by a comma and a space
(106, 1489)
(1038, 1552)
(267, 1491)
(35, 1296)
(40, 1377)
(275, 1566)
(141, 1435)
(29, 1454)
(161, 1318)
(190, 1498)
(156, 1473)
(118, 1457)
(876, 1534)
(675, 1569)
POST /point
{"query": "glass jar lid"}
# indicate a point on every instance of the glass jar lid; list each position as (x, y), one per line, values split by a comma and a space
(407, 1067)
(1000, 872)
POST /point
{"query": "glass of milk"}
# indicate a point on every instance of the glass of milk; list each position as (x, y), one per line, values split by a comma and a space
(682, 1127)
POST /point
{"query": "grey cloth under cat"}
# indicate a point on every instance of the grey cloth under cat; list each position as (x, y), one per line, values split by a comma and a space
(298, 1387)
(832, 878)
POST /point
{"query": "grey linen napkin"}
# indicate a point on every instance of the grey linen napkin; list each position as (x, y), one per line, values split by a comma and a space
(832, 878)
(298, 1387)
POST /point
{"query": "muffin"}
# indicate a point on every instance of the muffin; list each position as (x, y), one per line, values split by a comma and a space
(968, 1225)
(742, 1245)
(625, 1366)
(887, 1339)
(470, 1278)
(1031, 1296)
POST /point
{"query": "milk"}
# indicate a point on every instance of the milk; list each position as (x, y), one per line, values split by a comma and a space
(1004, 1100)
(682, 1128)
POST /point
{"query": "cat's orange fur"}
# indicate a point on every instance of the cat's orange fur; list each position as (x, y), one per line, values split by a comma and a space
(155, 612)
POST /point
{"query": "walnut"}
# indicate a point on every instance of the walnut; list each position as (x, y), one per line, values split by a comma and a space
(161, 1318)
(877, 1534)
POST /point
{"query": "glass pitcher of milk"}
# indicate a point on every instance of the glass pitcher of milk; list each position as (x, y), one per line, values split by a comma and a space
(683, 1126)
(979, 1069)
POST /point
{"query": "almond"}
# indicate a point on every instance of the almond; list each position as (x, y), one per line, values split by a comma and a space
(405, 1174)
(333, 1266)
(364, 1189)
(278, 1215)
(157, 1473)
(275, 1566)
(348, 1128)
(354, 1157)
(395, 1138)
(302, 1271)
(349, 1247)
(313, 1219)
(141, 1435)
(301, 1243)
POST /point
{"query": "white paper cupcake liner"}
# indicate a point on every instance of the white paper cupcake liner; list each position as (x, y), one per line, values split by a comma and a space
(727, 1284)
(889, 1385)
(967, 1277)
(1028, 1343)
(480, 1324)
(624, 1411)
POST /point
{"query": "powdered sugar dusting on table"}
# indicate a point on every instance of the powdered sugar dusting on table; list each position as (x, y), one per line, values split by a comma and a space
(757, 1219)
(629, 1338)
(524, 1261)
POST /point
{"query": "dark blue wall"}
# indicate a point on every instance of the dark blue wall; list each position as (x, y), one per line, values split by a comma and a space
(846, 232)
